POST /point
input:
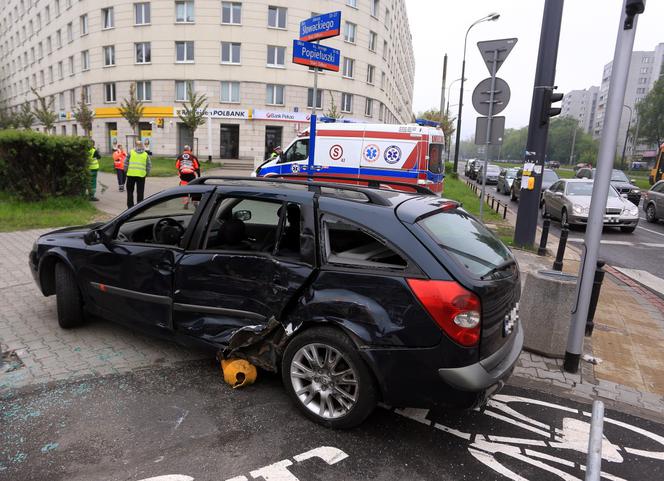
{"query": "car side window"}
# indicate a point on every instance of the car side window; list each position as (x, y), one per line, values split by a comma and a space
(659, 188)
(298, 151)
(163, 222)
(348, 244)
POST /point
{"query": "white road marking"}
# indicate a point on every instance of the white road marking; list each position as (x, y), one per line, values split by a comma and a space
(275, 472)
(644, 277)
(617, 243)
(650, 230)
(170, 477)
(650, 244)
(327, 453)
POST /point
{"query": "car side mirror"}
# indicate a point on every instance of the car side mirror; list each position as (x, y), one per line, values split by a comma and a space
(558, 194)
(243, 215)
(95, 236)
(632, 181)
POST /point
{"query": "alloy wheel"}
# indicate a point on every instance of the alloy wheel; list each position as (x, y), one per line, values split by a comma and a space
(650, 213)
(324, 381)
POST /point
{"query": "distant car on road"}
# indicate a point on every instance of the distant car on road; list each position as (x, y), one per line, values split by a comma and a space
(619, 180)
(569, 201)
(470, 165)
(553, 164)
(548, 178)
(505, 180)
(653, 202)
(492, 173)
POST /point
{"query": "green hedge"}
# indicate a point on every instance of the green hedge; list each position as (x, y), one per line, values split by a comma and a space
(35, 166)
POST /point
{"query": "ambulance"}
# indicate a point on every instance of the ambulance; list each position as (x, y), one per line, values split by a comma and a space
(384, 152)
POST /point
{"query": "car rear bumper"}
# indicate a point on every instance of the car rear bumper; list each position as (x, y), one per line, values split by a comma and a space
(410, 378)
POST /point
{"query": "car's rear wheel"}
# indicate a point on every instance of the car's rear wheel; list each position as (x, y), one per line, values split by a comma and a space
(68, 298)
(327, 379)
(628, 230)
(651, 216)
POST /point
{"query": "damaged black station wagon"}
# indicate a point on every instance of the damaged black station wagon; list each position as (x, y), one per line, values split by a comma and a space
(356, 293)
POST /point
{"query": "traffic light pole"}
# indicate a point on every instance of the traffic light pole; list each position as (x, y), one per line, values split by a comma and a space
(602, 181)
(526, 221)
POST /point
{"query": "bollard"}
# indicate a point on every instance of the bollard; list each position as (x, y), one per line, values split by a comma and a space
(595, 440)
(594, 297)
(492, 201)
(504, 211)
(558, 263)
(545, 235)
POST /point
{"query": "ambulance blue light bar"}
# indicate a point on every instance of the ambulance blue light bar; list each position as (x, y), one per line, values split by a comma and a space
(427, 123)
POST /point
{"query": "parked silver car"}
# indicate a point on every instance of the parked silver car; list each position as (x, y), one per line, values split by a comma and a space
(492, 173)
(653, 202)
(569, 201)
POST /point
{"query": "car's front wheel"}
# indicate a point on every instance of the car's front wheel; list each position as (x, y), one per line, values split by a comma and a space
(651, 216)
(512, 194)
(68, 298)
(327, 379)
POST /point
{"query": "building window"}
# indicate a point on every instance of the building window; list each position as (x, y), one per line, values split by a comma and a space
(276, 56)
(231, 13)
(143, 54)
(184, 52)
(375, 8)
(184, 12)
(107, 18)
(384, 49)
(84, 25)
(109, 55)
(276, 17)
(50, 74)
(230, 92)
(70, 32)
(643, 80)
(346, 102)
(347, 70)
(368, 107)
(85, 60)
(42, 80)
(87, 97)
(274, 94)
(351, 3)
(144, 91)
(57, 8)
(230, 52)
(40, 50)
(319, 98)
(72, 98)
(382, 80)
(38, 21)
(349, 32)
(370, 74)
(644, 69)
(142, 13)
(646, 59)
(58, 38)
(47, 14)
(373, 39)
(109, 92)
(61, 101)
(61, 71)
(641, 90)
(182, 90)
(49, 45)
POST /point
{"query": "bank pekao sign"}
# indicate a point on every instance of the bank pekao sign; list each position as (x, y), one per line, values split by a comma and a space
(242, 114)
(258, 114)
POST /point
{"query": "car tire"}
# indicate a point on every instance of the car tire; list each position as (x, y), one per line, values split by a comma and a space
(513, 195)
(68, 298)
(628, 230)
(303, 381)
(651, 215)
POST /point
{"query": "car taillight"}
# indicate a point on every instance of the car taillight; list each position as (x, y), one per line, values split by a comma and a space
(455, 309)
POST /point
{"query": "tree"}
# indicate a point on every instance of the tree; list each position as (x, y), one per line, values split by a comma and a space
(194, 111)
(446, 122)
(333, 113)
(44, 111)
(651, 115)
(84, 115)
(25, 118)
(132, 109)
(7, 119)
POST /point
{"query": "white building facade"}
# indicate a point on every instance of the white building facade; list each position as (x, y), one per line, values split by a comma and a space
(581, 105)
(237, 53)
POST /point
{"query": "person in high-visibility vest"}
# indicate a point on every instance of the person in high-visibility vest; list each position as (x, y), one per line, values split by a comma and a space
(93, 167)
(137, 166)
(119, 156)
(187, 166)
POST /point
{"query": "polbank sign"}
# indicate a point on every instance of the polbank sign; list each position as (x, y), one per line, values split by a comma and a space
(252, 114)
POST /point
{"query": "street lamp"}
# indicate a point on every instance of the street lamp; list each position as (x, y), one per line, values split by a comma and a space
(447, 115)
(489, 18)
(629, 123)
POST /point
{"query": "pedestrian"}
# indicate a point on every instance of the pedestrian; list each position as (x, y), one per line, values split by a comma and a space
(119, 157)
(137, 166)
(93, 167)
(187, 166)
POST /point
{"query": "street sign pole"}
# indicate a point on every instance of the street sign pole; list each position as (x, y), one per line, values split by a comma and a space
(602, 182)
(312, 124)
(492, 92)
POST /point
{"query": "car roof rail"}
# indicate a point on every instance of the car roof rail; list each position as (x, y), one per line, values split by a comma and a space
(371, 183)
(369, 192)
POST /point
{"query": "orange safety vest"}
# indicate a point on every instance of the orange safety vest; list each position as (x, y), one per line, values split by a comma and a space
(119, 157)
(187, 163)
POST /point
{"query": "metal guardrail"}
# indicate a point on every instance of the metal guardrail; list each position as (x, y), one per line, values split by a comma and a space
(495, 203)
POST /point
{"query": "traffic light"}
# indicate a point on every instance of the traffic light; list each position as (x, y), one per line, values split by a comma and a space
(547, 110)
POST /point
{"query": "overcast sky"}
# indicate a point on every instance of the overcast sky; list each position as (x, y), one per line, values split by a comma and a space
(587, 42)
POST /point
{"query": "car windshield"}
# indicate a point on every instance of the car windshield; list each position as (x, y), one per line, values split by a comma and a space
(511, 173)
(549, 176)
(468, 241)
(584, 188)
(493, 169)
(619, 176)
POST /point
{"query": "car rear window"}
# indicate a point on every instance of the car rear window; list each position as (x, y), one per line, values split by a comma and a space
(467, 240)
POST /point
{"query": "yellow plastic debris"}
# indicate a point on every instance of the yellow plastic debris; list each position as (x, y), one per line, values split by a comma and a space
(238, 372)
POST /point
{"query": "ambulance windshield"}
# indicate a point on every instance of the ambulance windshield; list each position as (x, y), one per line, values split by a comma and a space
(436, 158)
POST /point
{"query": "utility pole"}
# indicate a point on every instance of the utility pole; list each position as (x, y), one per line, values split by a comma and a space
(571, 152)
(442, 90)
(602, 182)
(538, 128)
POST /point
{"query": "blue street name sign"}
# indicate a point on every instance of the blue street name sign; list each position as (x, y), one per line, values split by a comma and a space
(321, 26)
(314, 55)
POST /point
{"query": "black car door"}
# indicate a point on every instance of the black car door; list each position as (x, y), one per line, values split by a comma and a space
(129, 278)
(253, 257)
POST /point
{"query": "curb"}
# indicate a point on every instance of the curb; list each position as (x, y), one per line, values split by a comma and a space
(645, 292)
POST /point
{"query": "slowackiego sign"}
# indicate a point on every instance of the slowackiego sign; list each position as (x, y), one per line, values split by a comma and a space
(321, 26)
(314, 55)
